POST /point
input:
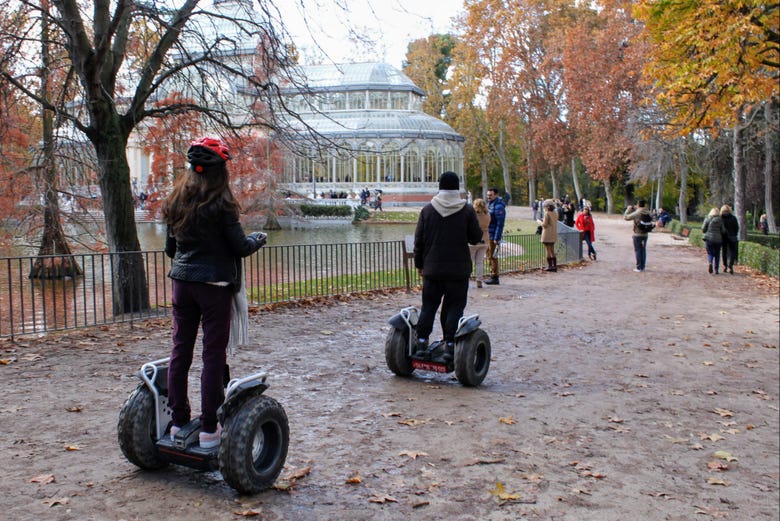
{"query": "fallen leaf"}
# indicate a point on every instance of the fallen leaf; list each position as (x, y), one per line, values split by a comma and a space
(5, 361)
(248, 513)
(722, 454)
(382, 498)
(723, 412)
(355, 478)
(717, 465)
(391, 414)
(56, 501)
(43, 479)
(412, 422)
(709, 363)
(717, 481)
(72, 447)
(502, 494)
(508, 420)
(75, 408)
(326, 332)
(412, 453)
(421, 504)
(615, 419)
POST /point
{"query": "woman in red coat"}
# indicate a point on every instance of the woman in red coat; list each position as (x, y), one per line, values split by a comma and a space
(585, 225)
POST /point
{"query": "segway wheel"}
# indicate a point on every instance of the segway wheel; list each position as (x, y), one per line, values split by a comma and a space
(472, 358)
(395, 353)
(136, 430)
(253, 445)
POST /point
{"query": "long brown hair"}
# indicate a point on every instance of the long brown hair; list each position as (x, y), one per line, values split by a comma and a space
(197, 199)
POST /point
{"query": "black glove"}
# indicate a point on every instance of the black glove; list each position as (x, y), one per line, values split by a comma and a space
(259, 237)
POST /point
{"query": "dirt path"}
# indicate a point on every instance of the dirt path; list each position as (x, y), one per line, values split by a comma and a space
(608, 396)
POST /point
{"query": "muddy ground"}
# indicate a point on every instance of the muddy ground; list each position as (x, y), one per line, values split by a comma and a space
(610, 396)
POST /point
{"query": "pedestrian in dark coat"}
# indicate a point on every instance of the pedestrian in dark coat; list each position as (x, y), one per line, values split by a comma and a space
(730, 238)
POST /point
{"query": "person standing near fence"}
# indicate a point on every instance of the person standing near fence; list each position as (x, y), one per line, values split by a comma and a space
(587, 229)
(206, 242)
(445, 229)
(730, 238)
(550, 234)
(478, 250)
(497, 211)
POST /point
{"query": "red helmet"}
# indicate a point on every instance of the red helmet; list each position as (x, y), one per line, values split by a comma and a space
(210, 144)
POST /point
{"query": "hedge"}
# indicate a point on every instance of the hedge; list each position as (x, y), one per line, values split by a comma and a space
(771, 241)
(322, 210)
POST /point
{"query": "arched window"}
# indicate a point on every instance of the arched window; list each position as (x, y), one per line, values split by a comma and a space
(412, 171)
(391, 163)
(366, 163)
(431, 173)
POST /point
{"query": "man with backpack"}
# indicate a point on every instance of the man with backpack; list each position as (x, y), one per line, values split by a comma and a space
(643, 225)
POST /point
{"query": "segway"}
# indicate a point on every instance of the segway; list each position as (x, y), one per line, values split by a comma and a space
(253, 443)
(472, 349)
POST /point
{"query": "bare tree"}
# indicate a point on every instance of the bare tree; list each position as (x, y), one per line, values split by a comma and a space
(126, 55)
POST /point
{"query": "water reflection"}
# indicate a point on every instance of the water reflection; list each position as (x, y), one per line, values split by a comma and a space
(152, 235)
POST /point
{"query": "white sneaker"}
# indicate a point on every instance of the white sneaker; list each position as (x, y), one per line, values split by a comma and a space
(174, 431)
(209, 440)
(638, 270)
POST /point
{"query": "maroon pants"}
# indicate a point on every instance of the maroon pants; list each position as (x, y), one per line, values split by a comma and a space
(195, 303)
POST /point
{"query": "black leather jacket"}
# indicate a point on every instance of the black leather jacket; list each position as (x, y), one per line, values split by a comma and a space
(215, 256)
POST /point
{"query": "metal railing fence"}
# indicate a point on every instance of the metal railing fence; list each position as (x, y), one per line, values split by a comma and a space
(274, 274)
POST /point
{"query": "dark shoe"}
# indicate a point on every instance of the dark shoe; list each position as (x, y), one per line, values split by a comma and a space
(492, 280)
(422, 345)
(554, 264)
(449, 352)
(479, 284)
(594, 255)
(731, 270)
(716, 271)
(710, 268)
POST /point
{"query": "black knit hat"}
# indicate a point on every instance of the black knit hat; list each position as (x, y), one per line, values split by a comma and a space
(449, 181)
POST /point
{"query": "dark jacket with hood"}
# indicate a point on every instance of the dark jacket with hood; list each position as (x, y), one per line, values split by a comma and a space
(445, 228)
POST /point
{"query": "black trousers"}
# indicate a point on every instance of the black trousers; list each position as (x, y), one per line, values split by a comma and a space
(452, 295)
(730, 252)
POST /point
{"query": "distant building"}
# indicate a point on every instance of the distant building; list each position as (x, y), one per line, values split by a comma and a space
(362, 126)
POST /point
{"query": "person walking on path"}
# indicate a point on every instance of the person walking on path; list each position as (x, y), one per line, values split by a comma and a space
(497, 211)
(478, 250)
(206, 242)
(550, 234)
(730, 238)
(642, 226)
(587, 228)
(445, 228)
(713, 231)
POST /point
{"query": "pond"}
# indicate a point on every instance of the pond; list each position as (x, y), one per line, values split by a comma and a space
(152, 235)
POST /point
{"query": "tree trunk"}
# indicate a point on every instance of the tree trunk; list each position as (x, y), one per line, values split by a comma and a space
(576, 181)
(554, 184)
(504, 163)
(53, 239)
(738, 151)
(682, 202)
(531, 181)
(608, 193)
(659, 199)
(130, 291)
(770, 135)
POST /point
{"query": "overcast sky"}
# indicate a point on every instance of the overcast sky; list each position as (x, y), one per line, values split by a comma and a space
(347, 35)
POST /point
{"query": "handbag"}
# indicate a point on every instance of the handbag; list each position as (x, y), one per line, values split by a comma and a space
(539, 230)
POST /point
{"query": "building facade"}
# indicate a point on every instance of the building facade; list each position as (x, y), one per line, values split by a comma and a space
(361, 126)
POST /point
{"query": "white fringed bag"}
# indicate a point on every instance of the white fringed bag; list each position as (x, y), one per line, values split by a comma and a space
(239, 319)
